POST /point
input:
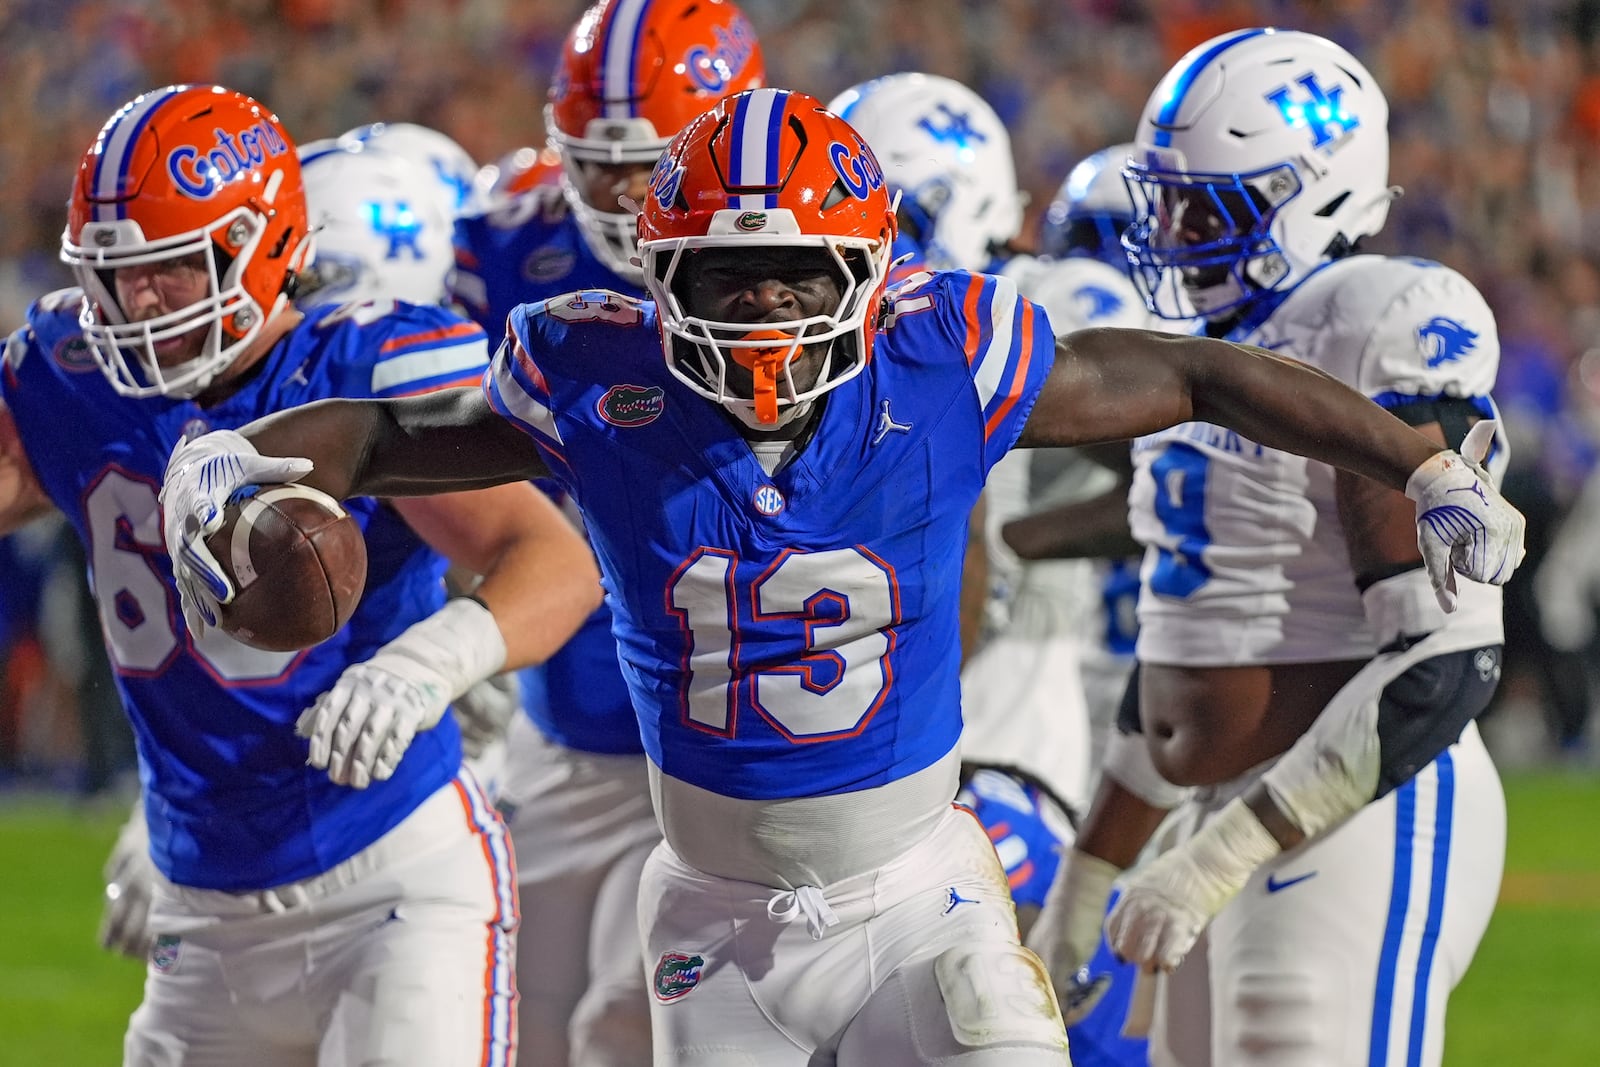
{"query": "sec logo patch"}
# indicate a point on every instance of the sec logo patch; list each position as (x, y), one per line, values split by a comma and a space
(769, 501)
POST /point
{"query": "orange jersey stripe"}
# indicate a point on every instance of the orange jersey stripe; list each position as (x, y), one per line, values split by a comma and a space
(1014, 387)
(470, 379)
(443, 333)
(969, 308)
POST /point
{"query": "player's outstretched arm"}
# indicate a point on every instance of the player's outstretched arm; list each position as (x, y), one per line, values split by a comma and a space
(439, 442)
(1110, 383)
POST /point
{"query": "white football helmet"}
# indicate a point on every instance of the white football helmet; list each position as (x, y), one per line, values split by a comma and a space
(1091, 210)
(437, 154)
(380, 226)
(949, 156)
(1263, 154)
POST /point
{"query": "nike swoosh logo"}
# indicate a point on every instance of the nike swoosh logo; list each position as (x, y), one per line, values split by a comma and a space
(1275, 886)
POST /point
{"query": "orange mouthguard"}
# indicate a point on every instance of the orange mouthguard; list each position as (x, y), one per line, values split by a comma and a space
(763, 365)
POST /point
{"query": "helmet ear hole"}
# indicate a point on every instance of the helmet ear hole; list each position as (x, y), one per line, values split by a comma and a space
(1327, 210)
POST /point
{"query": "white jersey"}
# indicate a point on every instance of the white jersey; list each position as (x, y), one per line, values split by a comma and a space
(1045, 677)
(1246, 559)
(1054, 596)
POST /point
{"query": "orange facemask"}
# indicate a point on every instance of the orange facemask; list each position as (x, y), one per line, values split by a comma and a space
(764, 365)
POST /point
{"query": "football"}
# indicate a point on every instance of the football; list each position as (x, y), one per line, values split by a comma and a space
(298, 563)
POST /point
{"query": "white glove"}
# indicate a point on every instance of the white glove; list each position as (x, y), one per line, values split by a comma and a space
(485, 711)
(1067, 931)
(203, 473)
(130, 880)
(1167, 902)
(1463, 523)
(360, 729)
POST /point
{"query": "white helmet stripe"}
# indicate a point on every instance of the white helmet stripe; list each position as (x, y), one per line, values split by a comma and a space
(111, 170)
(757, 125)
(617, 68)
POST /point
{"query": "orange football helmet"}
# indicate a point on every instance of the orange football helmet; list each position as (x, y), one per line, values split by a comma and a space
(768, 168)
(181, 170)
(631, 75)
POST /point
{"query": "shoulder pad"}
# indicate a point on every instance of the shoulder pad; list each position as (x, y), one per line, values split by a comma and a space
(1079, 292)
(547, 203)
(588, 307)
(1396, 325)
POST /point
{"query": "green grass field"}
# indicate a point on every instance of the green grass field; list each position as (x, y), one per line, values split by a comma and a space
(1529, 998)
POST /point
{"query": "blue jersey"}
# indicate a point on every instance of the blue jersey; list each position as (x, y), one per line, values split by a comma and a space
(230, 801)
(526, 251)
(791, 634)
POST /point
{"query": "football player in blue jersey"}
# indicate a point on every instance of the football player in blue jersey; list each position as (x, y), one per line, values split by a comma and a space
(576, 793)
(1341, 847)
(776, 459)
(352, 899)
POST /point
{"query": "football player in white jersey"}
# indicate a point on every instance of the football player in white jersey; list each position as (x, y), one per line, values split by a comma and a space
(1298, 671)
(781, 562)
(329, 886)
(948, 155)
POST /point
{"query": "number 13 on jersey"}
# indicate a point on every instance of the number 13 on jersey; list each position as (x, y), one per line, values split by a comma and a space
(807, 643)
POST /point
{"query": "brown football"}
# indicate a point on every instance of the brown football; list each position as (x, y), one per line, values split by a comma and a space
(298, 564)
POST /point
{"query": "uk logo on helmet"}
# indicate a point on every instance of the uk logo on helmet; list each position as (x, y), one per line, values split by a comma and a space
(1321, 111)
(400, 226)
(956, 127)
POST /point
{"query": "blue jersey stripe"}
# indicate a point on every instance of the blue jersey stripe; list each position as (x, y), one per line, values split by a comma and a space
(1443, 817)
(1186, 80)
(1405, 822)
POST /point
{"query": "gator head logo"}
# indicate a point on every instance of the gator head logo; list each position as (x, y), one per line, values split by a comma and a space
(632, 405)
(751, 221)
(1445, 340)
(676, 974)
(73, 354)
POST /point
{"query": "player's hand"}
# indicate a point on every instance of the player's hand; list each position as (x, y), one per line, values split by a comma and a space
(1067, 931)
(485, 711)
(360, 729)
(1463, 523)
(130, 879)
(203, 474)
(1168, 901)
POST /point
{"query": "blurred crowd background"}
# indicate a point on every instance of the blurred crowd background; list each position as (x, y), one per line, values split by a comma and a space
(1496, 141)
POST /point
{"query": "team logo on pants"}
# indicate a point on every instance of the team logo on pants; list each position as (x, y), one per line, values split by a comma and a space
(164, 953)
(676, 974)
